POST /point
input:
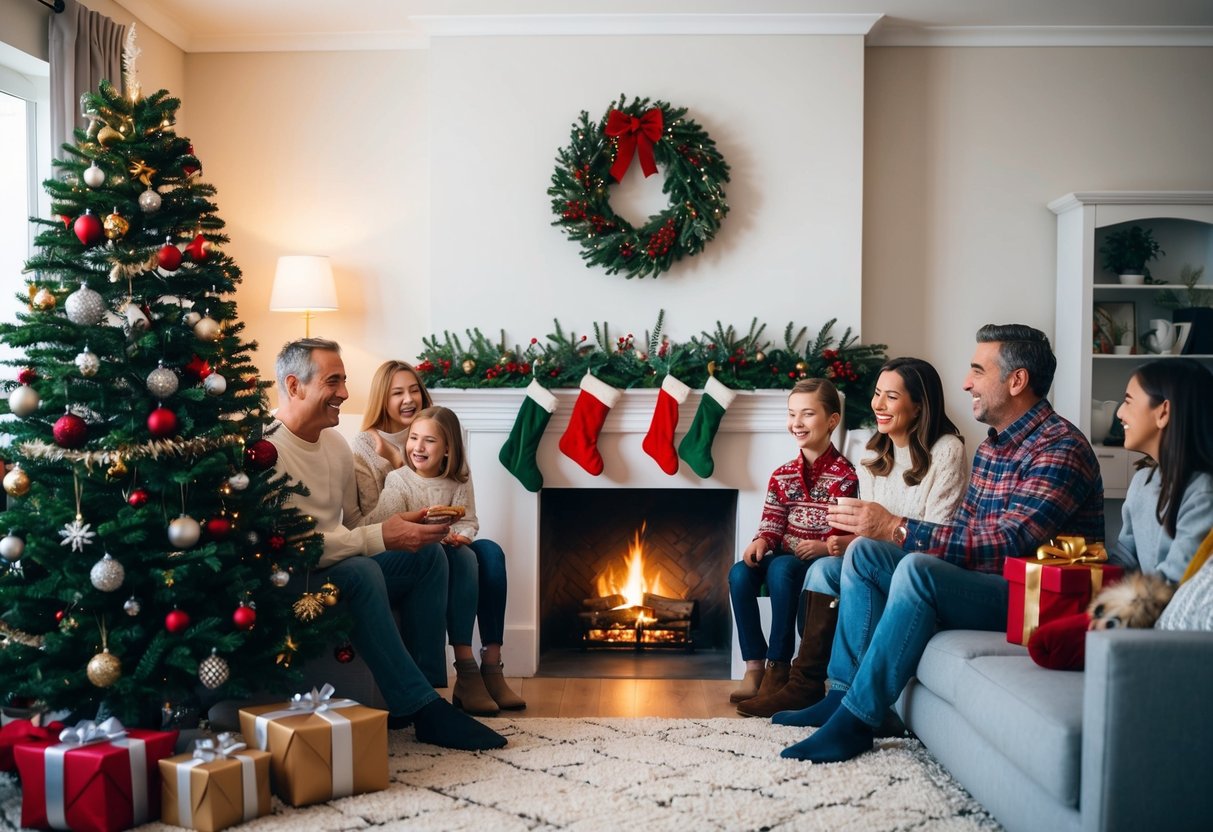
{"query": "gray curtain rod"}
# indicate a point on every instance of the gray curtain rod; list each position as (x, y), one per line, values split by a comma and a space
(56, 6)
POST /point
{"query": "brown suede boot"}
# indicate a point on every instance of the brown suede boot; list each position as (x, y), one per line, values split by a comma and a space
(499, 689)
(774, 679)
(807, 677)
(749, 685)
(470, 694)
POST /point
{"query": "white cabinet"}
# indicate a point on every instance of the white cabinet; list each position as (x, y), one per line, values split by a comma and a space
(1182, 223)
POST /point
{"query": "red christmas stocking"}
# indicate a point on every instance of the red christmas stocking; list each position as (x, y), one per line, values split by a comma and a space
(580, 440)
(659, 442)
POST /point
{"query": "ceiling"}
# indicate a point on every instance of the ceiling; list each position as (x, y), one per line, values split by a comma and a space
(275, 25)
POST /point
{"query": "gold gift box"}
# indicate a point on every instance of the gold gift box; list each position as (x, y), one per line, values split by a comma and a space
(216, 795)
(301, 750)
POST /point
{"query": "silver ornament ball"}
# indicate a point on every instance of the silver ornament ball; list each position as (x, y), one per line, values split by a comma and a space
(190, 318)
(107, 574)
(88, 363)
(11, 548)
(149, 201)
(239, 480)
(24, 400)
(132, 607)
(84, 306)
(215, 384)
(213, 671)
(184, 532)
(280, 577)
(162, 382)
(94, 176)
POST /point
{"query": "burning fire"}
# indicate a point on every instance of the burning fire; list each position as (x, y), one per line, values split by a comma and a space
(633, 583)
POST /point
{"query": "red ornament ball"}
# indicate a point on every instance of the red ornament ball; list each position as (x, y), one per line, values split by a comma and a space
(138, 498)
(261, 455)
(344, 653)
(162, 422)
(88, 228)
(27, 376)
(70, 431)
(276, 542)
(169, 257)
(198, 249)
(177, 621)
(60, 615)
(244, 617)
(218, 527)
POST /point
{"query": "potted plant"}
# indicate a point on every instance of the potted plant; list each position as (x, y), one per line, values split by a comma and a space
(1126, 252)
(1192, 304)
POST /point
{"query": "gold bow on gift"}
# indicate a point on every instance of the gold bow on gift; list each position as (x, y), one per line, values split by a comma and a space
(1063, 550)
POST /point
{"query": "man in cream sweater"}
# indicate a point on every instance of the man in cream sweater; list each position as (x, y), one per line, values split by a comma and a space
(399, 562)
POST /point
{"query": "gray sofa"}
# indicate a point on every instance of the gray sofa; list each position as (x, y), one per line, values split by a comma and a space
(1125, 745)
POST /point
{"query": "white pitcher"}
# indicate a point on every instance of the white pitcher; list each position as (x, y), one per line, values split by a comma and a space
(1161, 336)
(1102, 414)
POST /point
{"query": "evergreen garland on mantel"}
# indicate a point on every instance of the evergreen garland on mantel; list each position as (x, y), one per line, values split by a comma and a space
(742, 361)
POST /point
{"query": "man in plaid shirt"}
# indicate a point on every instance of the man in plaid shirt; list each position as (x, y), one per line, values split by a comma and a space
(1034, 477)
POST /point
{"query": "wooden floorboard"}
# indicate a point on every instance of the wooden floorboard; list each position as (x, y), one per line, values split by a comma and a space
(549, 696)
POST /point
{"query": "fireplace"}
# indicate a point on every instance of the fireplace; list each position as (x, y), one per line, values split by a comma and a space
(635, 569)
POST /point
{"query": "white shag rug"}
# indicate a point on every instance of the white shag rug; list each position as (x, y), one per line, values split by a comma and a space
(649, 774)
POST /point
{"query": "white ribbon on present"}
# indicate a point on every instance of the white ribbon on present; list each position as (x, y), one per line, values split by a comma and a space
(223, 747)
(87, 732)
(321, 703)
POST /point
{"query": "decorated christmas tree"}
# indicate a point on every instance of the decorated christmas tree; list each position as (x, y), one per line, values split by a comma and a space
(146, 545)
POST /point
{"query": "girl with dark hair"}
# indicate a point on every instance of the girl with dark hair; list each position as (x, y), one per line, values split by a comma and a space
(1167, 415)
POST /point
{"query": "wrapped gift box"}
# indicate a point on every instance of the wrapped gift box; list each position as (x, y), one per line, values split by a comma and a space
(1051, 586)
(320, 748)
(98, 777)
(20, 732)
(220, 784)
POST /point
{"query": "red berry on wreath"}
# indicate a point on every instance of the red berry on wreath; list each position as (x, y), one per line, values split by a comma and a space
(162, 422)
(138, 498)
(60, 615)
(88, 228)
(245, 617)
(261, 455)
(70, 431)
(177, 621)
(169, 256)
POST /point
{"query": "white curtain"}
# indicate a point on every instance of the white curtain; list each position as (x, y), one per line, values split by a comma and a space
(85, 47)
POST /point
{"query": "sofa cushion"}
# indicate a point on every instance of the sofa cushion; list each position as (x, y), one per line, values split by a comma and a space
(947, 653)
(1032, 715)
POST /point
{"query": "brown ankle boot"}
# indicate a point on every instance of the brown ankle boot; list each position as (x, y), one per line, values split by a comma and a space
(807, 676)
(774, 679)
(470, 694)
(749, 686)
(499, 689)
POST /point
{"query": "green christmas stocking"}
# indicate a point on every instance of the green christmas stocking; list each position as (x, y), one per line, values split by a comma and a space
(696, 447)
(518, 452)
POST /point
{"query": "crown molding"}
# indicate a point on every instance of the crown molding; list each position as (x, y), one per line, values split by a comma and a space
(1079, 198)
(378, 41)
(152, 16)
(896, 35)
(539, 25)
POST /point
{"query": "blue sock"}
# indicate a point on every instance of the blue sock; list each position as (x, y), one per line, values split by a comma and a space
(844, 737)
(813, 716)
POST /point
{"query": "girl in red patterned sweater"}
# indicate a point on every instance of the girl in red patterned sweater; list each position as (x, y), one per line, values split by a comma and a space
(793, 532)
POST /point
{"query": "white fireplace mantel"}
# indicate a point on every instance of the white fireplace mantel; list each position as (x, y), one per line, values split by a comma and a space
(751, 442)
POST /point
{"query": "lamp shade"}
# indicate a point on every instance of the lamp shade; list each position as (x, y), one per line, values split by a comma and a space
(303, 283)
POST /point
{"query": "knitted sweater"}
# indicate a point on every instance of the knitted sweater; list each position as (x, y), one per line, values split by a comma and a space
(935, 498)
(327, 469)
(798, 496)
(1144, 544)
(406, 490)
(370, 469)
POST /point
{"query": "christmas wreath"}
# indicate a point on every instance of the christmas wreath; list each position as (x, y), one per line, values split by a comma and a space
(657, 134)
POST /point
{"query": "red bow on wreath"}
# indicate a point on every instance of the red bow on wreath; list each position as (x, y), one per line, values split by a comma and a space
(634, 135)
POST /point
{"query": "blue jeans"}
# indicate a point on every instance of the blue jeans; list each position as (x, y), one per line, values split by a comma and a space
(415, 584)
(824, 576)
(892, 602)
(783, 575)
(490, 611)
(463, 592)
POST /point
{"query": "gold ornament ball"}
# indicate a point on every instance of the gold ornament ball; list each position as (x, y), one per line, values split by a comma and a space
(44, 300)
(801, 366)
(117, 468)
(469, 366)
(108, 135)
(329, 594)
(505, 359)
(760, 356)
(115, 226)
(16, 483)
(104, 669)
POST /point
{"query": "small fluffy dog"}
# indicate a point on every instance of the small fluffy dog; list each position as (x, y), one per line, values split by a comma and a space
(1136, 601)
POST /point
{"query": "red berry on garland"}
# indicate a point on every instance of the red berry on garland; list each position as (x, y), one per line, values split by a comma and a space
(244, 617)
(27, 376)
(162, 422)
(218, 528)
(198, 249)
(138, 498)
(59, 615)
(177, 621)
(70, 431)
(169, 256)
(198, 368)
(261, 455)
(344, 653)
(88, 228)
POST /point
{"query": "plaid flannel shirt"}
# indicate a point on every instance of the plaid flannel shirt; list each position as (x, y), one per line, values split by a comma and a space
(1037, 479)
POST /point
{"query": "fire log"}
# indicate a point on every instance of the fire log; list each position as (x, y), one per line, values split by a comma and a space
(603, 602)
(602, 619)
(668, 609)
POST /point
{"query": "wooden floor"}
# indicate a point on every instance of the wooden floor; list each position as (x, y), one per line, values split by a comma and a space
(674, 698)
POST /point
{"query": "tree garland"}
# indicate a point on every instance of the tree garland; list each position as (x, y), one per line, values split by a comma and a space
(597, 153)
(740, 361)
